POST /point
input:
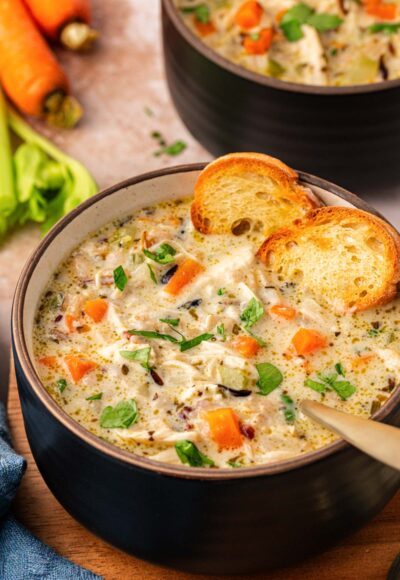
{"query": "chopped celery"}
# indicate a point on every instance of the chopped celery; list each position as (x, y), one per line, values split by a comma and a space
(234, 378)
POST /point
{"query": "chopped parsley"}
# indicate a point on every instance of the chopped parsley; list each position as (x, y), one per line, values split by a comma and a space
(141, 356)
(95, 397)
(330, 382)
(221, 291)
(122, 416)
(300, 14)
(385, 27)
(252, 313)
(315, 385)
(201, 12)
(270, 378)
(221, 331)
(163, 255)
(170, 321)
(288, 409)
(152, 274)
(61, 385)
(154, 334)
(120, 278)
(339, 369)
(188, 453)
(187, 344)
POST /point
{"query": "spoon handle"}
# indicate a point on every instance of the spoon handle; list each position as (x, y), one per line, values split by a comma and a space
(376, 439)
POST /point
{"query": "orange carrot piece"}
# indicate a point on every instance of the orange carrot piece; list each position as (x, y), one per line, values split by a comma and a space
(185, 273)
(260, 43)
(283, 311)
(29, 71)
(248, 15)
(70, 320)
(203, 28)
(48, 361)
(78, 367)
(381, 10)
(52, 15)
(224, 427)
(245, 345)
(96, 309)
(307, 340)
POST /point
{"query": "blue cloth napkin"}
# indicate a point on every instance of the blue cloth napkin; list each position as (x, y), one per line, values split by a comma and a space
(22, 556)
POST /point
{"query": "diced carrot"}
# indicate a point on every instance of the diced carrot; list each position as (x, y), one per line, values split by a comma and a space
(203, 28)
(245, 345)
(70, 320)
(48, 361)
(259, 43)
(362, 360)
(279, 15)
(307, 340)
(224, 427)
(185, 273)
(78, 367)
(381, 10)
(283, 311)
(248, 15)
(96, 309)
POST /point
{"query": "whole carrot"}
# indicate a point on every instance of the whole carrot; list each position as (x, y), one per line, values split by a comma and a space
(67, 21)
(29, 72)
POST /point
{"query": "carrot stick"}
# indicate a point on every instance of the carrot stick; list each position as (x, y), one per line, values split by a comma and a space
(29, 72)
(67, 21)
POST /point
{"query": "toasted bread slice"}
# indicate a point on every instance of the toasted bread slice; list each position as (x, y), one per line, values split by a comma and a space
(344, 256)
(244, 191)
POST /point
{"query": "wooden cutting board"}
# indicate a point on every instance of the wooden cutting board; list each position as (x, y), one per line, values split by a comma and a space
(366, 555)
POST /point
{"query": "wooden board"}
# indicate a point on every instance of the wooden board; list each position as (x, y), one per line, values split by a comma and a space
(367, 555)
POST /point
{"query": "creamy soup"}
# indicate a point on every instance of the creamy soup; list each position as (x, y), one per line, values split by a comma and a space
(318, 42)
(184, 348)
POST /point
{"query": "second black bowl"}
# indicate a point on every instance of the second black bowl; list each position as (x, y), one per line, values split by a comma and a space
(350, 135)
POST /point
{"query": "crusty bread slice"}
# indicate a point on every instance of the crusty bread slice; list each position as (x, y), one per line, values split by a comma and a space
(244, 191)
(345, 256)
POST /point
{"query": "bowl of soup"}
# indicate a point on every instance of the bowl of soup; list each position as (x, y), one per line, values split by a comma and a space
(148, 417)
(322, 94)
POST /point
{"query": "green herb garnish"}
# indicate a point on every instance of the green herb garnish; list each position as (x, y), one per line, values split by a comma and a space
(188, 453)
(385, 27)
(252, 313)
(95, 397)
(259, 340)
(315, 385)
(163, 255)
(152, 275)
(221, 331)
(120, 278)
(154, 334)
(122, 416)
(187, 344)
(234, 464)
(61, 385)
(221, 291)
(170, 321)
(270, 378)
(330, 382)
(141, 356)
(295, 17)
(201, 12)
(288, 409)
(339, 369)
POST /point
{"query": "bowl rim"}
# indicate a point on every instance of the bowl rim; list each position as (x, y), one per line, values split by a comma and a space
(23, 359)
(264, 80)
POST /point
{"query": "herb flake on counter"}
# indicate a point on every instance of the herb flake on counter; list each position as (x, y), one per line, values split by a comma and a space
(270, 377)
(152, 274)
(252, 313)
(289, 411)
(189, 454)
(120, 278)
(142, 356)
(187, 344)
(172, 149)
(163, 255)
(95, 397)
(61, 385)
(122, 416)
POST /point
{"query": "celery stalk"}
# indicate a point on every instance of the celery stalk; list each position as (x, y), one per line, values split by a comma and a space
(8, 199)
(80, 184)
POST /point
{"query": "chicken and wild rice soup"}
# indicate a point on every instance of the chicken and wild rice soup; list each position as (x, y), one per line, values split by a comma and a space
(317, 42)
(184, 348)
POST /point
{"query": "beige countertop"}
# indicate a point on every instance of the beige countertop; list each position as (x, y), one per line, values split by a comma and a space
(116, 83)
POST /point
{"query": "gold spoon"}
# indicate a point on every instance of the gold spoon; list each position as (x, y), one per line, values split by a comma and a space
(380, 441)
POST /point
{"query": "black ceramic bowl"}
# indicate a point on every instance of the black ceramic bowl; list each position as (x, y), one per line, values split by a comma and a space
(348, 134)
(194, 519)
